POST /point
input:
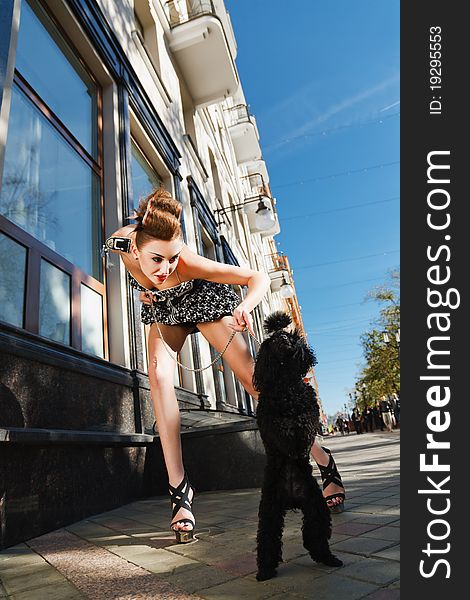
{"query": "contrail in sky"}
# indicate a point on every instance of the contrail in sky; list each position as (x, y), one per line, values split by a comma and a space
(389, 106)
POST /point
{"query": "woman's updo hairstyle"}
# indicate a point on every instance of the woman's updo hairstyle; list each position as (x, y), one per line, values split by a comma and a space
(158, 217)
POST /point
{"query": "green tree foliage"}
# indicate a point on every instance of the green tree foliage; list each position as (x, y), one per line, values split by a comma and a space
(381, 375)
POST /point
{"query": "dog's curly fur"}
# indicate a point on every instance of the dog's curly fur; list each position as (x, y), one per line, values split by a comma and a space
(288, 419)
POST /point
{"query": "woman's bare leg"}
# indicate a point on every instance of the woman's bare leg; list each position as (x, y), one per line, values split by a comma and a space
(242, 364)
(165, 405)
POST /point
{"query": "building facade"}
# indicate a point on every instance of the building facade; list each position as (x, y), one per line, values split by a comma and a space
(102, 101)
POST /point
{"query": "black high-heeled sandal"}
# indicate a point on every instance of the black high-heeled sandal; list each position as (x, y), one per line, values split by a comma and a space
(329, 474)
(179, 496)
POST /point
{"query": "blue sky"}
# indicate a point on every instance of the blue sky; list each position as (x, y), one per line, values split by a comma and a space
(322, 80)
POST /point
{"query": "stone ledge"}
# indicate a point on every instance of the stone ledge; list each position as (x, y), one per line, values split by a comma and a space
(222, 428)
(35, 437)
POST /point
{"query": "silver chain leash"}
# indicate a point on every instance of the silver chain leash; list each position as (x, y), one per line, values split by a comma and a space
(219, 355)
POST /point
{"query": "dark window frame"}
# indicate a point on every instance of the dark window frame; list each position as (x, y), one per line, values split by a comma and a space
(36, 250)
(134, 143)
(204, 217)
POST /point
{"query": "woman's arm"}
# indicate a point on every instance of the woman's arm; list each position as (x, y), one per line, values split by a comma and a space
(257, 282)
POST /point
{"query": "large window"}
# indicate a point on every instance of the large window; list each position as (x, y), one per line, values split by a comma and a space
(50, 199)
(48, 189)
(56, 74)
(219, 367)
(144, 180)
(144, 177)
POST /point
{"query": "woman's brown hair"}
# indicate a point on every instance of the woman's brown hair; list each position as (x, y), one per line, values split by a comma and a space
(158, 217)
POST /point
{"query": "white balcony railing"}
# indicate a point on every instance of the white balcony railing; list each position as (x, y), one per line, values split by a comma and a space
(254, 185)
(181, 11)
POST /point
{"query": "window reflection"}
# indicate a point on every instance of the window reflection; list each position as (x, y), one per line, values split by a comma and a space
(12, 281)
(55, 74)
(54, 303)
(92, 321)
(48, 190)
(144, 178)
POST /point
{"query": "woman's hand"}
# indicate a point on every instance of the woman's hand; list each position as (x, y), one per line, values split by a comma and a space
(242, 319)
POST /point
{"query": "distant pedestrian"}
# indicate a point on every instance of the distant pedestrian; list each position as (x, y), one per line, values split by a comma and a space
(340, 425)
(386, 412)
(356, 419)
(397, 409)
(377, 417)
(370, 419)
(364, 420)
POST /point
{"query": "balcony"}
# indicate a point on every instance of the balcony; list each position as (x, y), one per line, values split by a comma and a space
(258, 166)
(281, 273)
(244, 134)
(254, 185)
(202, 42)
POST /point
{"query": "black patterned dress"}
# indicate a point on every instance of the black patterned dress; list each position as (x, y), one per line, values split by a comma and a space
(188, 303)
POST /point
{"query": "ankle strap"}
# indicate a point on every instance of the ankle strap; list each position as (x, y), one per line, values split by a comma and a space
(180, 498)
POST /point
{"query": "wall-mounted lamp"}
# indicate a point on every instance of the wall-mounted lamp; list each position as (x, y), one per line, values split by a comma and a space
(264, 218)
(286, 290)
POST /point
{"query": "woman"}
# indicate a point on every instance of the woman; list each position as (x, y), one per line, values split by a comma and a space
(190, 293)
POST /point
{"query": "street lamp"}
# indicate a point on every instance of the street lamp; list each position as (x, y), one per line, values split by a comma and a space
(363, 393)
(264, 217)
(286, 290)
(386, 338)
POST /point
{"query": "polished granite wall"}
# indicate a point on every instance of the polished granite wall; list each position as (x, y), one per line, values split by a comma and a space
(45, 488)
(46, 396)
(47, 485)
(76, 440)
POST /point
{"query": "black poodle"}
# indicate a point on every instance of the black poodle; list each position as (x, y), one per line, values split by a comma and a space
(288, 418)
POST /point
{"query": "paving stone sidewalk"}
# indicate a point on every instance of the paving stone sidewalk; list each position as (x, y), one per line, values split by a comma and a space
(129, 553)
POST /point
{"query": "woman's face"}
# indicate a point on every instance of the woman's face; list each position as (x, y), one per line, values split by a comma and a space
(158, 259)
